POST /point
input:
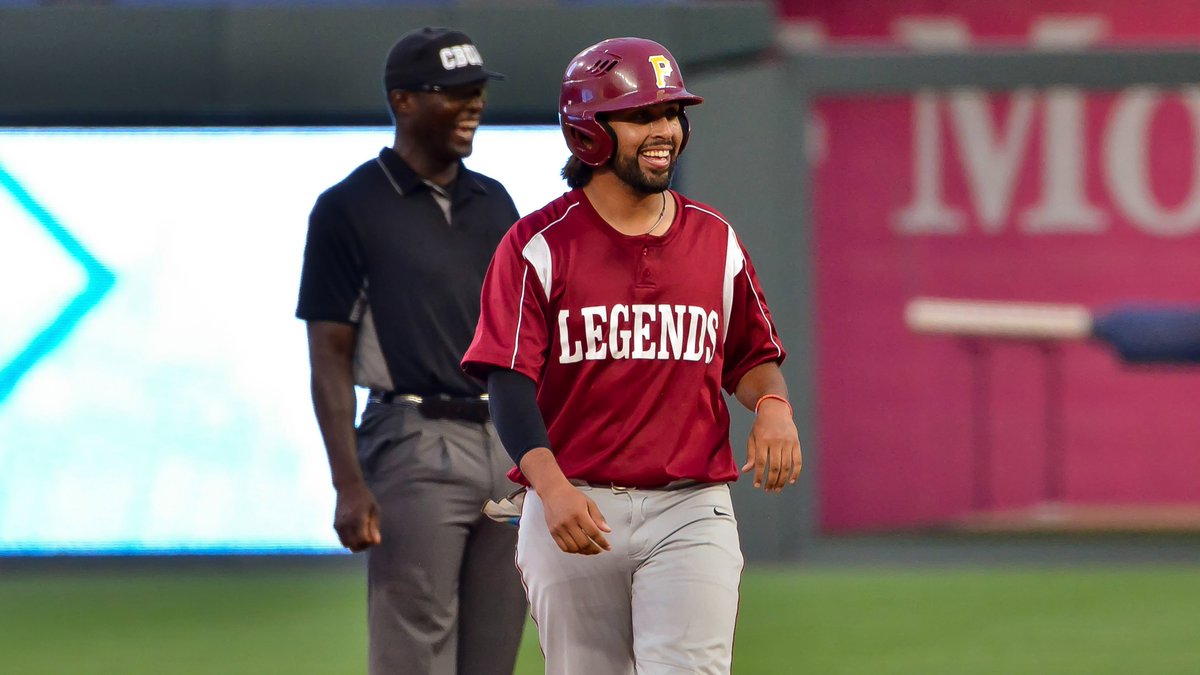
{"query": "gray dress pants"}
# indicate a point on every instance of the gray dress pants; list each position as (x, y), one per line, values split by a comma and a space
(444, 595)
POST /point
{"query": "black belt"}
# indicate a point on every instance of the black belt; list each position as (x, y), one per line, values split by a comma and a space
(468, 409)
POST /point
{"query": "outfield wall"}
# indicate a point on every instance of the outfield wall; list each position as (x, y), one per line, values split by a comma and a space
(963, 153)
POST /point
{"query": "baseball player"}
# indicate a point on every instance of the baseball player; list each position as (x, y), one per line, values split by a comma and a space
(612, 318)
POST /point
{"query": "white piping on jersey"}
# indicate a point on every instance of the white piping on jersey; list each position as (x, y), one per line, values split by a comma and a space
(762, 310)
(537, 253)
(379, 161)
(734, 262)
(520, 316)
(745, 269)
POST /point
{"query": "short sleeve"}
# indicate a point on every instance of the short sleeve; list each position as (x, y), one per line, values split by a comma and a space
(512, 331)
(333, 273)
(514, 215)
(751, 339)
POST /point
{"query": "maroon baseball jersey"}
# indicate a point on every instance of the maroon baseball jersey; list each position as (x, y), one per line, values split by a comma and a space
(629, 338)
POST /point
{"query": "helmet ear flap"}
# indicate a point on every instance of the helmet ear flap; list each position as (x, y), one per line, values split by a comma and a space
(588, 140)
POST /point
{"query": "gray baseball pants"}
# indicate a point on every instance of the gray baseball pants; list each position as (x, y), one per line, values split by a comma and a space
(663, 601)
(444, 596)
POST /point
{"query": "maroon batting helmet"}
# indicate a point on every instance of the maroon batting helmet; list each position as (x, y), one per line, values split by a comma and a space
(616, 74)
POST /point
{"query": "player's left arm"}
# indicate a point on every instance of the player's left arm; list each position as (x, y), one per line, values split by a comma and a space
(753, 352)
(773, 449)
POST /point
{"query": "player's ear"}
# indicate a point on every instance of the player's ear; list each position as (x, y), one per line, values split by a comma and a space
(400, 101)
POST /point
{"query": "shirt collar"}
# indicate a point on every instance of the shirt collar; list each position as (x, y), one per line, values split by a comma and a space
(407, 180)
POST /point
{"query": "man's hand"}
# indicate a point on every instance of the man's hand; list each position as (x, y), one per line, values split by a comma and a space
(574, 520)
(773, 450)
(356, 518)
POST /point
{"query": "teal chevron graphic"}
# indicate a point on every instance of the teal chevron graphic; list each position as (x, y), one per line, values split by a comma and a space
(99, 281)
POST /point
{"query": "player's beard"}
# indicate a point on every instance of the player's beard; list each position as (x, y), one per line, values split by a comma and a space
(630, 171)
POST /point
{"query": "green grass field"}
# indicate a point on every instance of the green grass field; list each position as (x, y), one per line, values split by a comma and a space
(300, 619)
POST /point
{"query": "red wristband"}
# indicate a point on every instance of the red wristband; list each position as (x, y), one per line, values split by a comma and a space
(774, 396)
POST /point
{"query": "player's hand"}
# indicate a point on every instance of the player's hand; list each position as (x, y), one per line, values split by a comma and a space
(575, 521)
(356, 518)
(773, 450)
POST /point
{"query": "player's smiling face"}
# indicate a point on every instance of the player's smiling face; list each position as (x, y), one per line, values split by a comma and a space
(648, 142)
(444, 122)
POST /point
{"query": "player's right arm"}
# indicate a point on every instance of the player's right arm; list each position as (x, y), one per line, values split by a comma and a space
(331, 355)
(574, 520)
(509, 350)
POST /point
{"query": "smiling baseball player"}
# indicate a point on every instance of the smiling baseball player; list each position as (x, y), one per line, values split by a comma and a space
(612, 318)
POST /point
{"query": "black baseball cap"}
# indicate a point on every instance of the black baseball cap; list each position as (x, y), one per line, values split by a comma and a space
(434, 57)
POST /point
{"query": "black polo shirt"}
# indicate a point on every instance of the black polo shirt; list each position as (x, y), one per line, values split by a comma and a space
(381, 255)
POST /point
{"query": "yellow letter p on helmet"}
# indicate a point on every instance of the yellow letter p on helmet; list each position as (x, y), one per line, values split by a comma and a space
(662, 69)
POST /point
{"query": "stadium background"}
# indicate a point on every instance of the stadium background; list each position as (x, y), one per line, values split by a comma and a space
(1003, 507)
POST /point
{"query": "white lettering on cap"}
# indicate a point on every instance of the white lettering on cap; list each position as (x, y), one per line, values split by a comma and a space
(460, 56)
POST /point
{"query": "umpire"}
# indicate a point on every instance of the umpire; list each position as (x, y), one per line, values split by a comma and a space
(393, 267)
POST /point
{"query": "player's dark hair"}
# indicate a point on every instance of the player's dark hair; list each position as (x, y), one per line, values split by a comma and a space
(577, 173)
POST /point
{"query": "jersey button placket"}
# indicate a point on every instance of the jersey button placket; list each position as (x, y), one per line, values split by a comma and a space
(644, 276)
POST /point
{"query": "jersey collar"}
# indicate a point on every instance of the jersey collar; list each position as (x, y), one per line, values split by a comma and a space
(640, 240)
